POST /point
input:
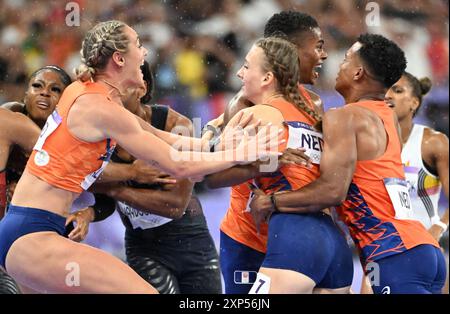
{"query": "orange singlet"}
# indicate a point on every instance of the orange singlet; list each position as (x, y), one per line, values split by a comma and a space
(377, 206)
(61, 159)
(238, 223)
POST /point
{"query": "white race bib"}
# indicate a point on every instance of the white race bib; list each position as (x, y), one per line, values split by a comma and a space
(140, 219)
(92, 177)
(42, 158)
(261, 285)
(302, 135)
(399, 195)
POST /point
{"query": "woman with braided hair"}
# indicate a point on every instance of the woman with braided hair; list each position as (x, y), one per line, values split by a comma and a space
(305, 253)
(74, 147)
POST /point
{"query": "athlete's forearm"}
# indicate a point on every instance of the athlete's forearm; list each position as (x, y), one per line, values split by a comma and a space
(194, 164)
(232, 176)
(159, 202)
(313, 197)
(180, 142)
(116, 172)
(444, 218)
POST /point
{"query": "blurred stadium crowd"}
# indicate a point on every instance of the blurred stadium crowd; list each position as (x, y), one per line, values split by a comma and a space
(196, 46)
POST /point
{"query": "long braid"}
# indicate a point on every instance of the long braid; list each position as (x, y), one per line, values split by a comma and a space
(98, 46)
(282, 59)
(294, 95)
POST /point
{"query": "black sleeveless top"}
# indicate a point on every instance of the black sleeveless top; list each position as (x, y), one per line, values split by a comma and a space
(192, 221)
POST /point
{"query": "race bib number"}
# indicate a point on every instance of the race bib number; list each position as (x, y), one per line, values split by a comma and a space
(302, 135)
(399, 195)
(261, 285)
(140, 219)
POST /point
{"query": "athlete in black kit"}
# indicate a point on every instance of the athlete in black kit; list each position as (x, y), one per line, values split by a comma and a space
(167, 240)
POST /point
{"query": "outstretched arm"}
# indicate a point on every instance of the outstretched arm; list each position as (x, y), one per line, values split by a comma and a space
(109, 120)
(438, 144)
(336, 170)
(170, 202)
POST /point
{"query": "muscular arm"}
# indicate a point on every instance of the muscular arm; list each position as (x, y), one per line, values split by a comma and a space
(18, 129)
(437, 144)
(14, 106)
(168, 203)
(232, 176)
(182, 140)
(116, 172)
(107, 120)
(336, 168)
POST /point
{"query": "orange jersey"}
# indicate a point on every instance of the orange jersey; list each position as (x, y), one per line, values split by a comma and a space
(238, 223)
(61, 159)
(377, 206)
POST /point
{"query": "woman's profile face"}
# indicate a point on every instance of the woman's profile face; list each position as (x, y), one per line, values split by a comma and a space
(133, 59)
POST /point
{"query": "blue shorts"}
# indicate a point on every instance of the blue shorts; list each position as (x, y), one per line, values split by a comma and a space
(420, 270)
(20, 221)
(312, 245)
(239, 264)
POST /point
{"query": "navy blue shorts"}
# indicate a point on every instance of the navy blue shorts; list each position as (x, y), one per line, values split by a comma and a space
(312, 245)
(239, 264)
(20, 221)
(420, 270)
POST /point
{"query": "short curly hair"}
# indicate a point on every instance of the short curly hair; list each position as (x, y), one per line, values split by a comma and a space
(384, 58)
(289, 24)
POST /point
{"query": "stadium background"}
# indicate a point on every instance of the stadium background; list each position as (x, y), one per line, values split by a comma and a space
(196, 47)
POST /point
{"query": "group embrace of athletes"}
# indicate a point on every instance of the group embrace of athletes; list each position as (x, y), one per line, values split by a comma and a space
(366, 164)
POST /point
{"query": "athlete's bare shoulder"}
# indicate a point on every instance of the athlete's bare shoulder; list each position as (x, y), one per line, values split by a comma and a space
(17, 128)
(434, 143)
(15, 106)
(316, 100)
(10, 118)
(339, 115)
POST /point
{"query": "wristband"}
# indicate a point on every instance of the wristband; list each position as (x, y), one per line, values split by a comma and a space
(213, 142)
(103, 208)
(209, 127)
(274, 203)
(437, 221)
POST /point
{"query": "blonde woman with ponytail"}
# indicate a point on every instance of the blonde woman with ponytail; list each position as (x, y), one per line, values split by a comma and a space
(74, 147)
